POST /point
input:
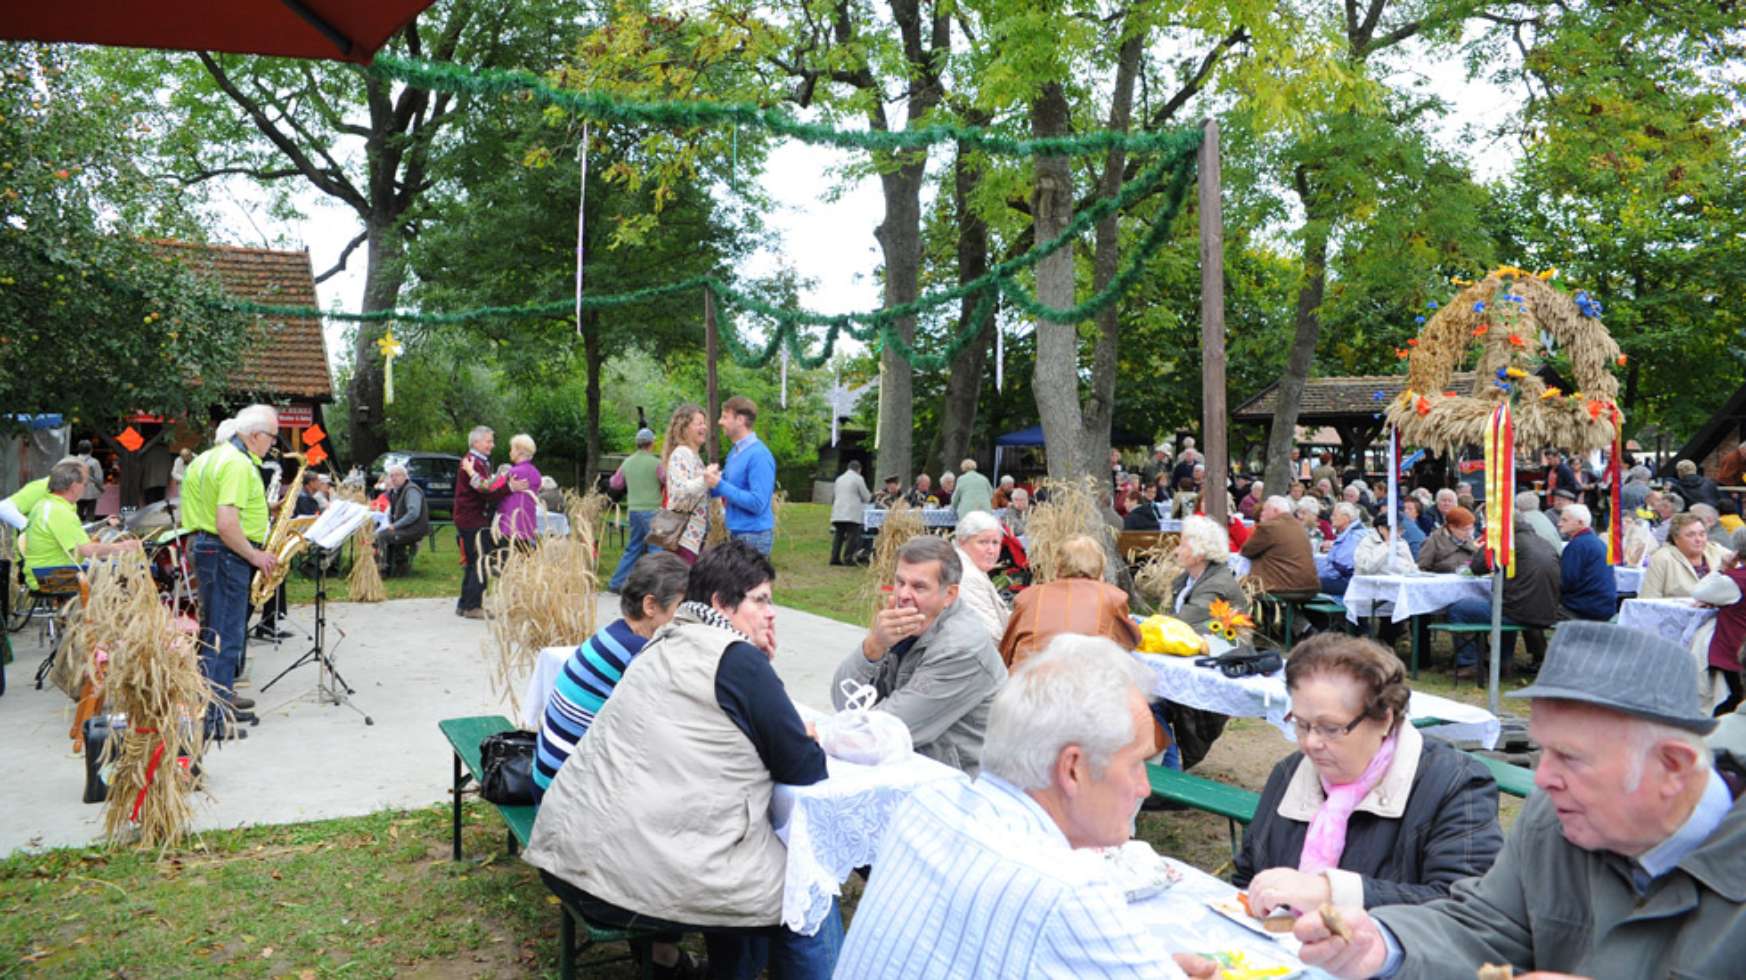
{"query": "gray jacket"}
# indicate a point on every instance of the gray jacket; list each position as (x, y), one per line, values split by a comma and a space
(849, 497)
(1550, 905)
(941, 686)
(1217, 582)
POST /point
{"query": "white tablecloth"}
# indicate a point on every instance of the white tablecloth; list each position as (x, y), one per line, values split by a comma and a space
(1178, 679)
(1628, 579)
(1676, 619)
(1410, 595)
(833, 827)
(538, 691)
(1180, 915)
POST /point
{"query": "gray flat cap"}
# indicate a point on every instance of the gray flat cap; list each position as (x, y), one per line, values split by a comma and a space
(645, 437)
(1623, 669)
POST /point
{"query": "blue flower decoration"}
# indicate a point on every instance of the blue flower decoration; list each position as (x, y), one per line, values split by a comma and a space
(1377, 396)
(1505, 385)
(1587, 305)
(1418, 319)
(1503, 373)
(1479, 307)
(1431, 305)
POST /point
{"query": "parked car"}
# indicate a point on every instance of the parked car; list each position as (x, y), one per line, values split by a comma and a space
(435, 474)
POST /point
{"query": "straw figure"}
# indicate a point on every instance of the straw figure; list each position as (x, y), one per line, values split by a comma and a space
(1521, 330)
(543, 596)
(147, 668)
(902, 522)
(1158, 570)
(1071, 508)
(365, 582)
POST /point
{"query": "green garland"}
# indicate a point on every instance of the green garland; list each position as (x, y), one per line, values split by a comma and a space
(459, 80)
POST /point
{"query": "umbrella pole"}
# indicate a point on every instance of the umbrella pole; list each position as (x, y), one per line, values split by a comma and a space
(1496, 633)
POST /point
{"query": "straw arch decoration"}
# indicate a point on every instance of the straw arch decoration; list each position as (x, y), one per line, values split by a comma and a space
(1517, 324)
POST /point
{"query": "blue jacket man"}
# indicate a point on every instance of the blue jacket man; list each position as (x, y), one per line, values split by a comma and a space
(746, 480)
(1590, 590)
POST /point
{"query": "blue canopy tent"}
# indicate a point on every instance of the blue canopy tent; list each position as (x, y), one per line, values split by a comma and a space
(1033, 436)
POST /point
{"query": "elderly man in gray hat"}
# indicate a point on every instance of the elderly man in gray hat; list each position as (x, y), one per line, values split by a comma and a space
(1630, 861)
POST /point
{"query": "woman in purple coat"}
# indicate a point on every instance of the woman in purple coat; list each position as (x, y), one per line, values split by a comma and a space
(518, 517)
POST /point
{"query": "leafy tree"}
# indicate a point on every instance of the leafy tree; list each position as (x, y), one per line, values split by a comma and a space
(93, 322)
(356, 138)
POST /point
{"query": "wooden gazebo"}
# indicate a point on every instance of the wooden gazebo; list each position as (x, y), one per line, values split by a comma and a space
(1353, 407)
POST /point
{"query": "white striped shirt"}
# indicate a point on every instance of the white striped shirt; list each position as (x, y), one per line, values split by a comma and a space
(975, 880)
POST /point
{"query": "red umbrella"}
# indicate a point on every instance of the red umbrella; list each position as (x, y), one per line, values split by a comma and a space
(341, 30)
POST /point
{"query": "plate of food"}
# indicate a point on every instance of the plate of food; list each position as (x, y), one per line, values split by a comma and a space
(1138, 870)
(1276, 927)
(1244, 964)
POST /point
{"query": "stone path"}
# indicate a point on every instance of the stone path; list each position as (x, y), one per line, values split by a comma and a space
(411, 662)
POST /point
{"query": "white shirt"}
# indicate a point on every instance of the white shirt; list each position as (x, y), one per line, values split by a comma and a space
(975, 880)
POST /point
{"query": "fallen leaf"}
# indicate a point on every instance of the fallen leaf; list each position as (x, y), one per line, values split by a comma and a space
(267, 953)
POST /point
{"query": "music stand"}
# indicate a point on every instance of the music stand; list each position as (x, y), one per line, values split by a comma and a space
(330, 688)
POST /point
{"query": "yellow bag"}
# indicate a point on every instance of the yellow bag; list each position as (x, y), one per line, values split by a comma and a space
(1167, 634)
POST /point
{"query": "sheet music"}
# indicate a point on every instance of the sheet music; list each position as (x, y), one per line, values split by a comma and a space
(336, 523)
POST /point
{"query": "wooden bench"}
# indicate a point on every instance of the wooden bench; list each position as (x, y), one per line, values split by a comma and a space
(1511, 779)
(1459, 629)
(465, 735)
(1235, 804)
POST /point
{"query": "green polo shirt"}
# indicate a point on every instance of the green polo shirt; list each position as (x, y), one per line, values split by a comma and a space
(29, 495)
(54, 534)
(225, 476)
(642, 481)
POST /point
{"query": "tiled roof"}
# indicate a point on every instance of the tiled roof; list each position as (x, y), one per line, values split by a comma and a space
(1326, 399)
(290, 360)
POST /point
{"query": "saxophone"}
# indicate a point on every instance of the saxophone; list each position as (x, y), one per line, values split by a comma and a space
(286, 541)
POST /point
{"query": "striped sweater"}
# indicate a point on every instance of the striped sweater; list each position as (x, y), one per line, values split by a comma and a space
(583, 687)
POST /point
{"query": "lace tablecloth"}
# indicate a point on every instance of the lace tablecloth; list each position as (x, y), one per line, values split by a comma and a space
(1178, 679)
(1676, 619)
(1180, 915)
(832, 828)
(1628, 579)
(1410, 595)
(547, 666)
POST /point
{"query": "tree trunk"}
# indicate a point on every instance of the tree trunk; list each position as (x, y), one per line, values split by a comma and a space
(965, 376)
(1303, 348)
(1056, 376)
(368, 423)
(1099, 412)
(899, 237)
(591, 353)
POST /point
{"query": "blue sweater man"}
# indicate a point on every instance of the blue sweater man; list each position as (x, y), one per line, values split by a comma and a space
(746, 480)
(1590, 591)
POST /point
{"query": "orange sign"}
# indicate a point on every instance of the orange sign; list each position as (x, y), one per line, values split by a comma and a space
(130, 439)
(314, 455)
(313, 434)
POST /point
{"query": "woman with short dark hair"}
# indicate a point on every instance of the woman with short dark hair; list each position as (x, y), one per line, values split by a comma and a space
(661, 818)
(1367, 812)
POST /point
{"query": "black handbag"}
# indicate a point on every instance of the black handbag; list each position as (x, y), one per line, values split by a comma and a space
(1243, 662)
(506, 763)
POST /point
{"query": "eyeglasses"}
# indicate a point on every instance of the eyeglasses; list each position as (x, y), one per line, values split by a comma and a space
(1327, 733)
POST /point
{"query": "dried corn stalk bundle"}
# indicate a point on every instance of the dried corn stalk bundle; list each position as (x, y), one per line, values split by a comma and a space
(365, 582)
(1509, 316)
(1072, 508)
(540, 596)
(776, 501)
(153, 677)
(717, 532)
(902, 522)
(586, 514)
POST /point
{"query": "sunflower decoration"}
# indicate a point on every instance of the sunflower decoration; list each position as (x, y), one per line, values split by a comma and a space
(1227, 623)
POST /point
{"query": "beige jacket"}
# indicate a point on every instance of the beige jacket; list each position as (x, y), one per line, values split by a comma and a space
(665, 807)
(1670, 574)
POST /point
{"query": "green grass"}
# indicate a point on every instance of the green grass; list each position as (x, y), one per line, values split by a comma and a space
(804, 577)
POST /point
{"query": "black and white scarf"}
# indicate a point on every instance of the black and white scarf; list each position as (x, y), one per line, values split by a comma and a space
(708, 615)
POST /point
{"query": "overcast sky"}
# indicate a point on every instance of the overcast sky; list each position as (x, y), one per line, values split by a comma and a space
(829, 242)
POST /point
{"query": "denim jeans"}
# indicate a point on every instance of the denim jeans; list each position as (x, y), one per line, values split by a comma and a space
(635, 548)
(761, 540)
(734, 954)
(1468, 650)
(224, 614)
(1172, 755)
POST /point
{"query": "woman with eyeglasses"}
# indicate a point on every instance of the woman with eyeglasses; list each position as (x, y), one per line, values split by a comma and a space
(1367, 812)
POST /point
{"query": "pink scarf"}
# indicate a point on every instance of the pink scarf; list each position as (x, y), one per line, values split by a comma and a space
(1326, 839)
